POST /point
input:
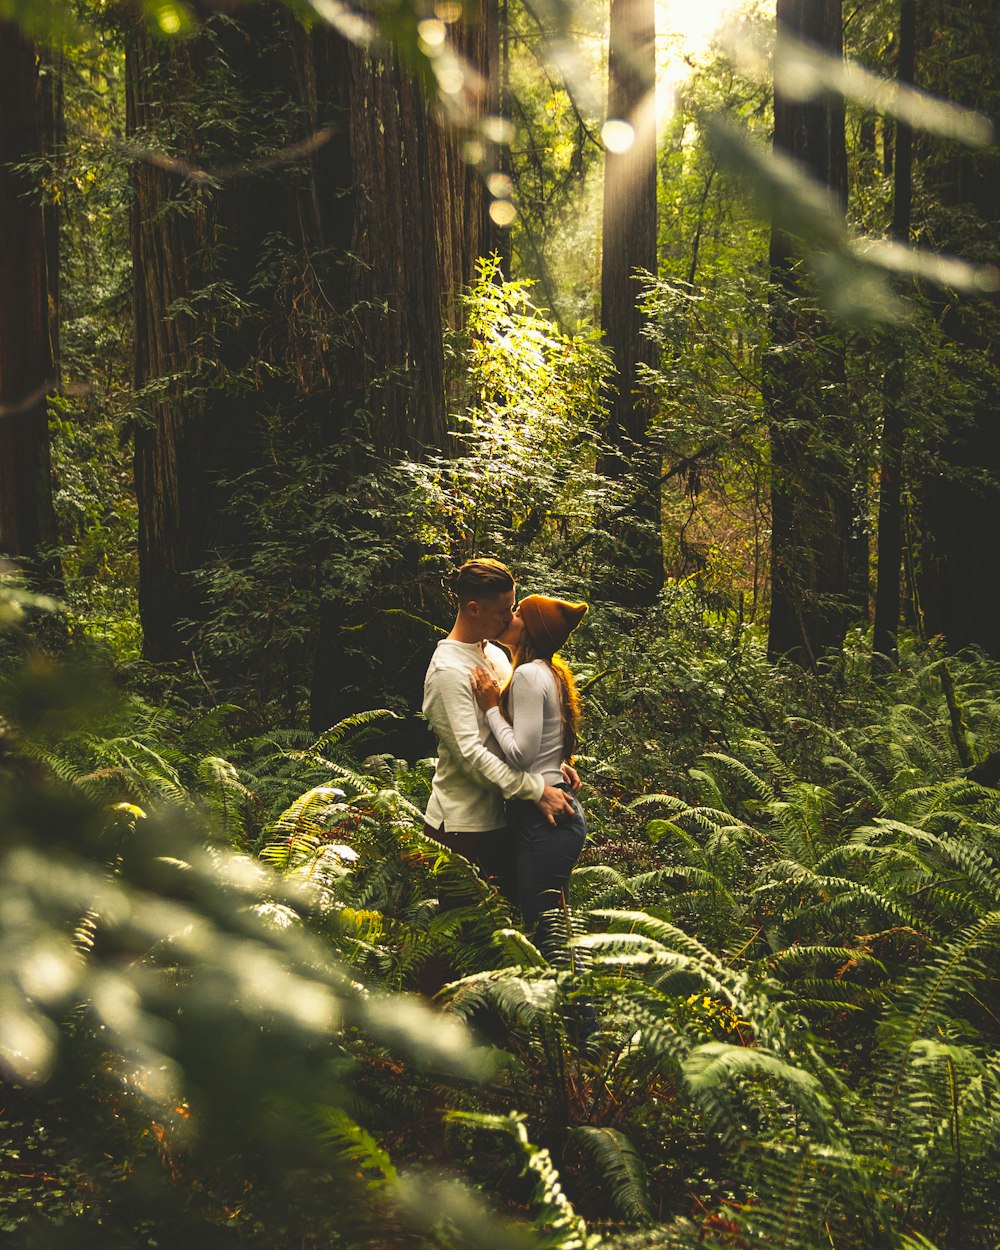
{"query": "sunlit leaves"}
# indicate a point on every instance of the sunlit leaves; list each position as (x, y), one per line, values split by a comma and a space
(53, 21)
(532, 398)
(16, 599)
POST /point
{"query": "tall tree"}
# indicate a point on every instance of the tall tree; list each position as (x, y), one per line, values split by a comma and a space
(958, 497)
(635, 572)
(403, 202)
(411, 213)
(890, 510)
(27, 519)
(222, 98)
(290, 311)
(814, 567)
(54, 143)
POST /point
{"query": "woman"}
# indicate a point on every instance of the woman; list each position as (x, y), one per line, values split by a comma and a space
(535, 720)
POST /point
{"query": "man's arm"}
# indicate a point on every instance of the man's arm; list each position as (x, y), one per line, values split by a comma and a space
(452, 714)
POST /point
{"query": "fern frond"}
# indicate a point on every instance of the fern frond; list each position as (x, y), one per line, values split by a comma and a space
(551, 1209)
(710, 1067)
(866, 783)
(927, 999)
(760, 788)
(519, 998)
(355, 1145)
(662, 932)
(618, 1165)
(670, 801)
(806, 1193)
(763, 753)
(349, 726)
(518, 949)
(599, 885)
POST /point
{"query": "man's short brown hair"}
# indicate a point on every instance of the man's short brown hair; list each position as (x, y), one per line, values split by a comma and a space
(482, 579)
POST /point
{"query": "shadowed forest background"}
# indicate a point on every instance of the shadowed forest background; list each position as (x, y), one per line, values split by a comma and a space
(301, 305)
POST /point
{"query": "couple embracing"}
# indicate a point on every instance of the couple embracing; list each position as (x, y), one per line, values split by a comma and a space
(506, 730)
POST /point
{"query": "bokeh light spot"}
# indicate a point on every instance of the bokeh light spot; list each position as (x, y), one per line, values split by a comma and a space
(617, 135)
(451, 80)
(502, 212)
(500, 185)
(448, 11)
(432, 32)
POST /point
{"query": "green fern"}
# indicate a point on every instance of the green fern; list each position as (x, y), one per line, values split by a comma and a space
(354, 1144)
(618, 1167)
(552, 1213)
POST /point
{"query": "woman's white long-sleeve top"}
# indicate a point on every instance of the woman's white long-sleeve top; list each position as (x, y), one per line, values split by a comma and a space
(534, 738)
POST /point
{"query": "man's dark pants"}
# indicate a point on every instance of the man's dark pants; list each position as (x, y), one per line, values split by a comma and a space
(492, 853)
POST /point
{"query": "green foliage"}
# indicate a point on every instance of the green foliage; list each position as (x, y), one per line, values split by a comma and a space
(555, 157)
(562, 1228)
(199, 971)
(525, 482)
(620, 1166)
(83, 176)
(764, 1017)
(771, 997)
(708, 427)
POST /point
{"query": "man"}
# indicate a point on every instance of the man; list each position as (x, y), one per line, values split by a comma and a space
(471, 781)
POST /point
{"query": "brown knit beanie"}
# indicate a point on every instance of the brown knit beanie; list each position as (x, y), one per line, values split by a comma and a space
(550, 621)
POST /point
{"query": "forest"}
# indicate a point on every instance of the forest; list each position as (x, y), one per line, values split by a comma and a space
(687, 309)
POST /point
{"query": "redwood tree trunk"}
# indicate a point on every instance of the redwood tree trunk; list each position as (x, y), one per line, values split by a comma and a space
(814, 558)
(413, 212)
(398, 195)
(209, 328)
(164, 239)
(958, 500)
(635, 561)
(890, 510)
(27, 520)
(54, 143)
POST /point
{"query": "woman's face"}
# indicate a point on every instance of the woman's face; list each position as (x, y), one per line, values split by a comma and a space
(511, 636)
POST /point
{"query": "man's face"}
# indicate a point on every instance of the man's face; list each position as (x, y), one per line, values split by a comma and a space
(511, 636)
(493, 615)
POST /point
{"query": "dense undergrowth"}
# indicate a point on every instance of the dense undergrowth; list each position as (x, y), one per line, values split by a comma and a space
(767, 1017)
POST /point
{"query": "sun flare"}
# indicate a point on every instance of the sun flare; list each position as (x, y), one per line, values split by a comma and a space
(685, 29)
(691, 23)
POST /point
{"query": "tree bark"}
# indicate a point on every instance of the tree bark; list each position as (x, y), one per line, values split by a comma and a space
(958, 498)
(815, 560)
(890, 510)
(54, 144)
(164, 242)
(414, 214)
(400, 197)
(211, 332)
(634, 573)
(27, 518)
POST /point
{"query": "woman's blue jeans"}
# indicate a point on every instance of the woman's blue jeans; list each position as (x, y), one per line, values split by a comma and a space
(545, 854)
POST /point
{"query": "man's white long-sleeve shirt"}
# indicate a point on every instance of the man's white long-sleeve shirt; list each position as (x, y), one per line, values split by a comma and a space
(471, 780)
